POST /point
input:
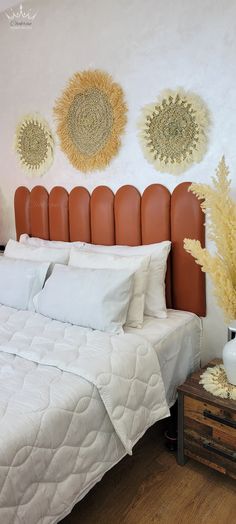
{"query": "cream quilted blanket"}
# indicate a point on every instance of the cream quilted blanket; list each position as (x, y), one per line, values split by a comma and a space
(72, 402)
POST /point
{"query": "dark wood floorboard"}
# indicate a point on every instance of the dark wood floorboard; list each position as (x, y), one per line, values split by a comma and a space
(150, 488)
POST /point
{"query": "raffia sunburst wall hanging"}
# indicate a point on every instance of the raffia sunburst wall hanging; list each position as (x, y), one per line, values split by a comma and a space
(173, 131)
(34, 144)
(91, 116)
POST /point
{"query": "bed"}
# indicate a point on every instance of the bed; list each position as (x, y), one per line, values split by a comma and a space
(74, 401)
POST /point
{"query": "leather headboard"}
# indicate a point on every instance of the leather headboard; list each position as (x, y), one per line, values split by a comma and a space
(126, 218)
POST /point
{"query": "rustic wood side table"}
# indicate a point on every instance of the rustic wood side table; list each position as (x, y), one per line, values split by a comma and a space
(206, 426)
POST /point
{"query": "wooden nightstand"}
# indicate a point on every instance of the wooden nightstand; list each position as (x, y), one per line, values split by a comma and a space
(206, 426)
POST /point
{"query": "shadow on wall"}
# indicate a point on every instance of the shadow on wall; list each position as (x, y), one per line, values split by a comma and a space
(5, 213)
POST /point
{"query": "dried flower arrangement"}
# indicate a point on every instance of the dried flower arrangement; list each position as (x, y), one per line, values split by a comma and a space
(220, 208)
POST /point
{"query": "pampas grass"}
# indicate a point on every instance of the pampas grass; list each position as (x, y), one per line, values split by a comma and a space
(221, 211)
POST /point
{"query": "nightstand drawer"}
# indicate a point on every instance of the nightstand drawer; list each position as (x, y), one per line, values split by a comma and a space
(210, 422)
(211, 454)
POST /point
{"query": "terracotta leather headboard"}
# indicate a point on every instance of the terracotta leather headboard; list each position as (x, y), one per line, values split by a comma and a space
(126, 218)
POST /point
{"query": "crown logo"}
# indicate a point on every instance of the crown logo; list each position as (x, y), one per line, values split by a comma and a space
(20, 18)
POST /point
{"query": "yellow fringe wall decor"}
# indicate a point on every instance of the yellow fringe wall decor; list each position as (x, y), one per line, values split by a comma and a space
(221, 211)
(173, 131)
(34, 144)
(91, 116)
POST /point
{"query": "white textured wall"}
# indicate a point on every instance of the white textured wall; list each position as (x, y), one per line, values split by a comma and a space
(147, 45)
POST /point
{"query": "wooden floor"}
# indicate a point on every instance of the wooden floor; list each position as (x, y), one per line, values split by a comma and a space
(150, 488)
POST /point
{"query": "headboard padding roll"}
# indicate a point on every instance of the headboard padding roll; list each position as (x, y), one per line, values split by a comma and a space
(186, 222)
(126, 218)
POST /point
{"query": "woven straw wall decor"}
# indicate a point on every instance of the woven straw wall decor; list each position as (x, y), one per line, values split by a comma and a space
(91, 116)
(214, 380)
(34, 144)
(173, 131)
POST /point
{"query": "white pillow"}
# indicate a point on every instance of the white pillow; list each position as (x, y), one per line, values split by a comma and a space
(17, 250)
(155, 301)
(39, 242)
(137, 264)
(95, 298)
(20, 281)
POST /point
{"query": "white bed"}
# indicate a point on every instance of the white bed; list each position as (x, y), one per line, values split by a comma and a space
(75, 400)
(57, 438)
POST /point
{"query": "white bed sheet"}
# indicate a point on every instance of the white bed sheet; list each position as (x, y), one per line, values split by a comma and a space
(177, 342)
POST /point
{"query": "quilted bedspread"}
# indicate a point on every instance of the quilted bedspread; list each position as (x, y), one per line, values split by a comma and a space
(73, 402)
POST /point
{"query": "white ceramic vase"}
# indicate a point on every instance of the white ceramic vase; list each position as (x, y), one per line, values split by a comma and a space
(229, 354)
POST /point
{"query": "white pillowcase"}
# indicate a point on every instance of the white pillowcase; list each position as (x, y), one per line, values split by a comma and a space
(155, 301)
(18, 250)
(95, 298)
(20, 281)
(137, 264)
(39, 242)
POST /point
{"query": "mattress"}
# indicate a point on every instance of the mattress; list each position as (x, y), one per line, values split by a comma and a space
(73, 402)
(177, 343)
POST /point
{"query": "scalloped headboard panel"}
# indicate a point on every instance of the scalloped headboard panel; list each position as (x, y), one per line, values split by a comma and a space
(126, 218)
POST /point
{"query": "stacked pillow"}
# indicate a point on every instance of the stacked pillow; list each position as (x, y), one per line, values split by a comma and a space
(23, 251)
(23, 272)
(20, 281)
(103, 287)
(155, 302)
(85, 297)
(40, 242)
(138, 265)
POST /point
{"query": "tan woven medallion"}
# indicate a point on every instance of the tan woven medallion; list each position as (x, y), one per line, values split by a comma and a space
(90, 120)
(34, 145)
(173, 131)
(91, 116)
(215, 381)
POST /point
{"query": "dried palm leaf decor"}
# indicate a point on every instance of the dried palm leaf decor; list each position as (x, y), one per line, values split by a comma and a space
(173, 131)
(91, 116)
(34, 144)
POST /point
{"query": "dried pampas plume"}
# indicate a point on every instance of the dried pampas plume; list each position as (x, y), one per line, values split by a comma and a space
(221, 211)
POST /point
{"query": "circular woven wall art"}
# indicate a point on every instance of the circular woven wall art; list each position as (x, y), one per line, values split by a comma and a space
(173, 132)
(91, 116)
(34, 145)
